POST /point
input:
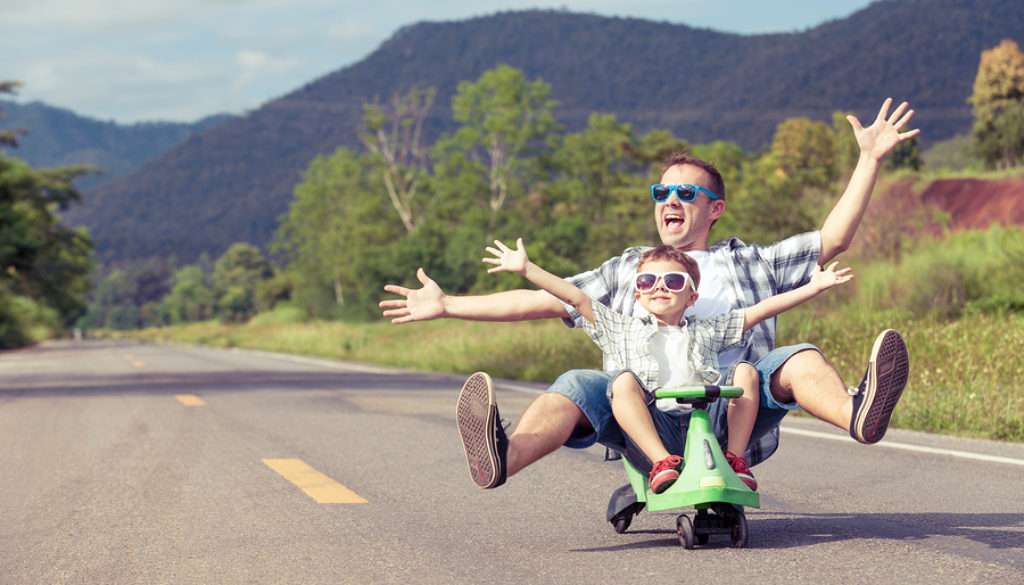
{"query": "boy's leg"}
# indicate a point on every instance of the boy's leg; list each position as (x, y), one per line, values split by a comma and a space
(743, 410)
(630, 408)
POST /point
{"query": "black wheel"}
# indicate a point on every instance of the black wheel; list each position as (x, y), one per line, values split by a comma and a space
(701, 526)
(739, 531)
(621, 523)
(685, 529)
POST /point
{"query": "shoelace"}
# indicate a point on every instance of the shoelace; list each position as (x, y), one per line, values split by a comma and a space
(738, 464)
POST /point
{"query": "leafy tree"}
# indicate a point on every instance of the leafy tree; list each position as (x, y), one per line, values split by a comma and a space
(392, 134)
(337, 229)
(998, 138)
(237, 274)
(503, 120)
(192, 297)
(39, 258)
(9, 137)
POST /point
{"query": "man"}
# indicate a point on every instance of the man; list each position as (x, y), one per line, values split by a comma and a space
(575, 411)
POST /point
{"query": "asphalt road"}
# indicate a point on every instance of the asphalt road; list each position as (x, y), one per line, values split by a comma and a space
(132, 463)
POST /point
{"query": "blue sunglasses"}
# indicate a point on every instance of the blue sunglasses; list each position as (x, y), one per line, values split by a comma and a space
(685, 192)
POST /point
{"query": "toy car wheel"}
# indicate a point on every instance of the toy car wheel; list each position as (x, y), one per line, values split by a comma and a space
(621, 523)
(685, 529)
(739, 531)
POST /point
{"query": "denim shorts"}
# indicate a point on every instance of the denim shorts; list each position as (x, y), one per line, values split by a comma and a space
(590, 390)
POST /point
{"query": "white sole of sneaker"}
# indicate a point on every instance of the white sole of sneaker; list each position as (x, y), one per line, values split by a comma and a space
(888, 370)
(475, 416)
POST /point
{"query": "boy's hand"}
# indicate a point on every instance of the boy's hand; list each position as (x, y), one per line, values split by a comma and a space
(830, 277)
(507, 259)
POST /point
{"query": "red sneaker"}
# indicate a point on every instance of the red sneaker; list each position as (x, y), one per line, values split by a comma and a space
(742, 469)
(665, 473)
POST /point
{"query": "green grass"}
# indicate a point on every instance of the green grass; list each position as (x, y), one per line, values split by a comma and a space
(956, 301)
(965, 374)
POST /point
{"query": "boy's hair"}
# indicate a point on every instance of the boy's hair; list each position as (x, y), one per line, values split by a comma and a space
(717, 185)
(666, 252)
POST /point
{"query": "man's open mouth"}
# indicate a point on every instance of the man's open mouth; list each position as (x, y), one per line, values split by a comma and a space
(672, 219)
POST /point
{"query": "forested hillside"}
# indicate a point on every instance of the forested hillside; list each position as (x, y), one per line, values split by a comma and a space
(232, 182)
(58, 137)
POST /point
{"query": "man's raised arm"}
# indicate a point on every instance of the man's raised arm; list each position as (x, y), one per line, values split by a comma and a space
(430, 302)
(876, 142)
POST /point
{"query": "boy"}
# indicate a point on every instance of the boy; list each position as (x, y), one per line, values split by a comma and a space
(664, 349)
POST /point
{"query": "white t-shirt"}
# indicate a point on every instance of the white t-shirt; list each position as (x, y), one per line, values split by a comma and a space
(713, 298)
(667, 345)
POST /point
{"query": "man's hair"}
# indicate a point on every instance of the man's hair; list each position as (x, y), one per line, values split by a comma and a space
(717, 185)
(666, 252)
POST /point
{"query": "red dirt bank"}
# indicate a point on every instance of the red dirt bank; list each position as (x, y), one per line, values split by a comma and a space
(977, 203)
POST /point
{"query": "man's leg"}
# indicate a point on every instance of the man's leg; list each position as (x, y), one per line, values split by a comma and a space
(545, 425)
(809, 380)
(565, 415)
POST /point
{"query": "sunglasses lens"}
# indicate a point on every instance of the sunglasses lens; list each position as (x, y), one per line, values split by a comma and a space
(661, 192)
(645, 281)
(674, 281)
(686, 193)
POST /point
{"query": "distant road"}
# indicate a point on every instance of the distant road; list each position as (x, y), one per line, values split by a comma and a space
(134, 463)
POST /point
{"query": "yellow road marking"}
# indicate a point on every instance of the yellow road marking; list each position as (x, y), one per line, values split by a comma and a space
(190, 400)
(317, 485)
(138, 363)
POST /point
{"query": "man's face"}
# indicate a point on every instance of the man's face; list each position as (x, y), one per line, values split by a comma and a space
(686, 225)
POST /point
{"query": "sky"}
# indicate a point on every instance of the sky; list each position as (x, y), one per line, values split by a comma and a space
(181, 60)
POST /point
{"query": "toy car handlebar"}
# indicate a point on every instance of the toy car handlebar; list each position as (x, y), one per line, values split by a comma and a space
(708, 392)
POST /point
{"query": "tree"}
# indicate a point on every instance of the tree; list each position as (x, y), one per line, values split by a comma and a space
(997, 138)
(192, 297)
(503, 120)
(9, 137)
(393, 136)
(237, 274)
(337, 228)
(40, 258)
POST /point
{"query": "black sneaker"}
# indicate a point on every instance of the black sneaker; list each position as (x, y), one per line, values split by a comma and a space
(880, 390)
(482, 434)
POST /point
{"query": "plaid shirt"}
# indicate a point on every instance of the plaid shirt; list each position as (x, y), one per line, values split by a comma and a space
(750, 274)
(625, 341)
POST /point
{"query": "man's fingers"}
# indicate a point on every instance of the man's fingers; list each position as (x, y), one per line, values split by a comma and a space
(854, 123)
(909, 134)
(899, 112)
(884, 112)
(398, 290)
(423, 278)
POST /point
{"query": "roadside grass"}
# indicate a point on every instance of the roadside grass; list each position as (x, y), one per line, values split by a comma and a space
(957, 302)
(965, 374)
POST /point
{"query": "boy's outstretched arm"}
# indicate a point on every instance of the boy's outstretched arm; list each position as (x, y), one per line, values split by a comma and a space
(509, 260)
(821, 280)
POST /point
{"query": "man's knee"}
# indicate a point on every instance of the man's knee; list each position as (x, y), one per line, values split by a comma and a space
(554, 408)
(806, 367)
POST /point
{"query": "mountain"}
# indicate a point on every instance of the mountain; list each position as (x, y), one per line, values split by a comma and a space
(59, 137)
(231, 182)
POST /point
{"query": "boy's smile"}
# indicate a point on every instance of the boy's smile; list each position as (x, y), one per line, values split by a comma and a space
(664, 305)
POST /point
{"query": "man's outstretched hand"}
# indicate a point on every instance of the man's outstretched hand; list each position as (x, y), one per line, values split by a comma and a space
(423, 304)
(878, 139)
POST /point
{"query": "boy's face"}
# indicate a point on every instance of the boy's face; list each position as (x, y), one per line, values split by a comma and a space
(667, 306)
